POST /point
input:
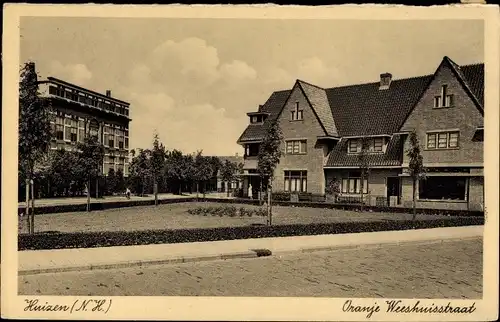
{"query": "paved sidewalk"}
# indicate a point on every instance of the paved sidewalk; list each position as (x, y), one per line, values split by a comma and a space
(44, 261)
(83, 200)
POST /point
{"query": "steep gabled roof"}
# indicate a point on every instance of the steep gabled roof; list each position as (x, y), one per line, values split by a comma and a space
(474, 76)
(319, 103)
(273, 106)
(339, 157)
(365, 110)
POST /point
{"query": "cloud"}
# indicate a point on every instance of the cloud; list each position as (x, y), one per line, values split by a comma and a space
(74, 73)
(238, 70)
(315, 71)
(279, 77)
(183, 90)
(190, 59)
(187, 128)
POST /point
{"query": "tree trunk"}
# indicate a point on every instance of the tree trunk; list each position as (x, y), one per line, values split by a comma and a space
(155, 189)
(87, 186)
(269, 212)
(97, 187)
(414, 199)
(27, 208)
(227, 188)
(204, 189)
(180, 188)
(32, 225)
(142, 188)
(260, 192)
(362, 181)
(197, 190)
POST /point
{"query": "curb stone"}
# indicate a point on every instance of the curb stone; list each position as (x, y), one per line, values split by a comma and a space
(139, 263)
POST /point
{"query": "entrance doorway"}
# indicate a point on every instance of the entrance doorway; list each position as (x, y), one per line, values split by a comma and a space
(393, 189)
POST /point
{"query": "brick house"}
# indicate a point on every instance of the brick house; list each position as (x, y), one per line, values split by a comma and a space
(323, 129)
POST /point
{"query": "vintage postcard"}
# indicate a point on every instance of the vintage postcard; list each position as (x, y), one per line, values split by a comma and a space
(250, 162)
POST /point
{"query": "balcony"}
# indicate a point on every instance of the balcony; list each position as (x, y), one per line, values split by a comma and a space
(250, 162)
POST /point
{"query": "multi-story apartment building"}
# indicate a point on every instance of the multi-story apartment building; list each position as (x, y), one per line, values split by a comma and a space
(79, 111)
(323, 129)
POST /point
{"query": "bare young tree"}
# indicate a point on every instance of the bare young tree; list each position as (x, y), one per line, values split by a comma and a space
(268, 158)
(416, 168)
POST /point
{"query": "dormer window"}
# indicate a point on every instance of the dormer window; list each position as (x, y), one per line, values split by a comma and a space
(257, 117)
(443, 100)
(353, 146)
(374, 145)
(297, 114)
(378, 144)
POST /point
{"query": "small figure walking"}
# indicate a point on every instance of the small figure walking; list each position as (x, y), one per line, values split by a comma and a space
(127, 193)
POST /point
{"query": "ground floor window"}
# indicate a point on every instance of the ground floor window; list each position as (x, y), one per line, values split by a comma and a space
(443, 188)
(353, 185)
(296, 181)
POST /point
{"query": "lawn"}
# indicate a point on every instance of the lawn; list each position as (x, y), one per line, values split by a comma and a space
(175, 216)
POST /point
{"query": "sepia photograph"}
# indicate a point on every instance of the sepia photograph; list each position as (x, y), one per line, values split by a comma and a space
(248, 158)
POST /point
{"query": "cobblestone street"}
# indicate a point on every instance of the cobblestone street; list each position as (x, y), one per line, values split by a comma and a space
(452, 269)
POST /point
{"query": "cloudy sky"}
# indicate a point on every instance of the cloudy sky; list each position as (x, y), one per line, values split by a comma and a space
(193, 80)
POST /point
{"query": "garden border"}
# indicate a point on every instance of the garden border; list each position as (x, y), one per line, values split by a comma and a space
(96, 206)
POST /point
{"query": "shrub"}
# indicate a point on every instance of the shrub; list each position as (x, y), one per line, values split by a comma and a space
(281, 196)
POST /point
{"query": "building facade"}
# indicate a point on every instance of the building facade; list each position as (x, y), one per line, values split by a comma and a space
(324, 128)
(79, 111)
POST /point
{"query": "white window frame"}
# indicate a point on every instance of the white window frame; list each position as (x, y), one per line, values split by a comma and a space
(295, 147)
(350, 144)
(444, 99)
(447, 135)
(295, 183)
(295, 112)
(352, 186)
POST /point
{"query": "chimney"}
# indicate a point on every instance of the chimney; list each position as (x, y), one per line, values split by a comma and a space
(385, 81)
(108, 93)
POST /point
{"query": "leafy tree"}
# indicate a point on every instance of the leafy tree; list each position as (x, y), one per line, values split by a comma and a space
(203, 171)
(416, 168)
(178, 169)
(34, 128)
(268, 158)
(120, 181)
(90, 156)
(228, 173)
(364, 166)
(140, 169)
(111, 181)
(157, 162)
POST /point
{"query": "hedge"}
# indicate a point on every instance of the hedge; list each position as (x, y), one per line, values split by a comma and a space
(119, 238)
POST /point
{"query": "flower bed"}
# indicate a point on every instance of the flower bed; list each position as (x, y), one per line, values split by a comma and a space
(145, 237)
(231, 211)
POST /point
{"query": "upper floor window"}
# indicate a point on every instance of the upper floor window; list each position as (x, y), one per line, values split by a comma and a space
(378, 144)
(296, 147)
(353, 146)
(297, 114)
(443, 100)
(373, 145)
(442, 140)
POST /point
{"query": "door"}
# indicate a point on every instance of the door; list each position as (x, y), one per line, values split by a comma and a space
(393, 189)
